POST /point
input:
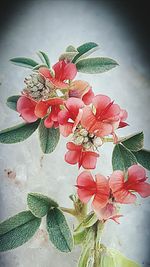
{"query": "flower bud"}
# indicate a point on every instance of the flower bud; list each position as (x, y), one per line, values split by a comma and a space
(97, 141)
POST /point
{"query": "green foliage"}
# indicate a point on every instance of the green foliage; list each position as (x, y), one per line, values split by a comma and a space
(122, 158)
(39, 66)
(58, 230)
(44, 58)
(18, 133)
(24, 62)
(85, 50)
(12, 102)
(39, 204)
(95, 65)
(17, 230)
(49, 138)
(113, 258)
(79, 236)
(134, 142)
(71, 48)
(68, 56)
(143, 158)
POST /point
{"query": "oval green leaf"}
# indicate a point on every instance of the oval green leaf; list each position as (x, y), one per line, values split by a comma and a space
(143, 158)
(17, 230)
(134, 142)
(122, 158)
(95, 65)
(44, 58)
(39, 204)
(58, 230)
(49, 138)
(68, 56)
(18, 133)
(85, 50)
(39, 66)
(12, 102)
(24, 62)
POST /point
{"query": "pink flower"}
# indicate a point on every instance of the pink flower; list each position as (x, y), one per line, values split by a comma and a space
(82, 90)
(104, 118)
(124, 190)
(51, 109)
(98, 188)
(123, 117)
(26, 107)
(62, 72)
(69, 117)
(76, 154)
(30, 110)
(108, 212)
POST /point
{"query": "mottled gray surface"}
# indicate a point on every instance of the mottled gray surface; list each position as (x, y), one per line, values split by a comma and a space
(51, 26)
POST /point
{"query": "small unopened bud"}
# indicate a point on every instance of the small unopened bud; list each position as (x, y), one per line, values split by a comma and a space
(88, 145)
(91, 135)
(83, 132)
(79, 140)
(97, 141)
(86, 139)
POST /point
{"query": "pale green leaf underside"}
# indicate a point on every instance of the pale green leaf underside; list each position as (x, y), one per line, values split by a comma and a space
(95, 65)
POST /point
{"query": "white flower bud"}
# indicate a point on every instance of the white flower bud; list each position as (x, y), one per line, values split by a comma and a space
(91, 135)
(97, 141)
(83, 132)
(79, 140)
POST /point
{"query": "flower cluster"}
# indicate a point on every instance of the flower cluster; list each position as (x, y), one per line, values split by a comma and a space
(71, 106)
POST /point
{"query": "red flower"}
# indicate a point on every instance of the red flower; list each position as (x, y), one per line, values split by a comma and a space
(51, 108)
(62, 71)
(26, 107)
(69, 117)
(88, 187)
(76, 154)
(31, 110)
(81, 89)
(123, 117)
(123, 191)
(108, 212)
(104, 118)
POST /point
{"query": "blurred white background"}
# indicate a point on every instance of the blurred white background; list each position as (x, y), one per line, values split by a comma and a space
(51, 26)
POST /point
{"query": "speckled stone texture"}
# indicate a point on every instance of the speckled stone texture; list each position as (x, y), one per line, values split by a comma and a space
(51, 26)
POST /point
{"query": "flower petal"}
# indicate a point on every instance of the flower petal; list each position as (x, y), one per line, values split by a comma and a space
(100, 102)
(116, 181)
(123, 196)
(63, 116)
(73, 105)
(45, 72)
(136, 174)
(72, 157)
(143, 189)
(41, 109)
(89, 159)
(66, 129)
(71, 146)
(86, 186)
(26, 107)
(88, 97)
(78, 88)
(103, 192)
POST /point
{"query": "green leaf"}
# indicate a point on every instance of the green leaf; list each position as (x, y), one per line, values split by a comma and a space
(79, 237)
(85, 50)
(17, 230)
(95, 65)
(134, 142)
(89, 221)
(71, 48)
(24, 62)
(12, 102)
(58, 230)
(44, 58)
(143, 158)
(122, 158)
(39, 66)
(18, 133)
(39, 205)
(114, 258)
(68, 56)
(49, 138)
